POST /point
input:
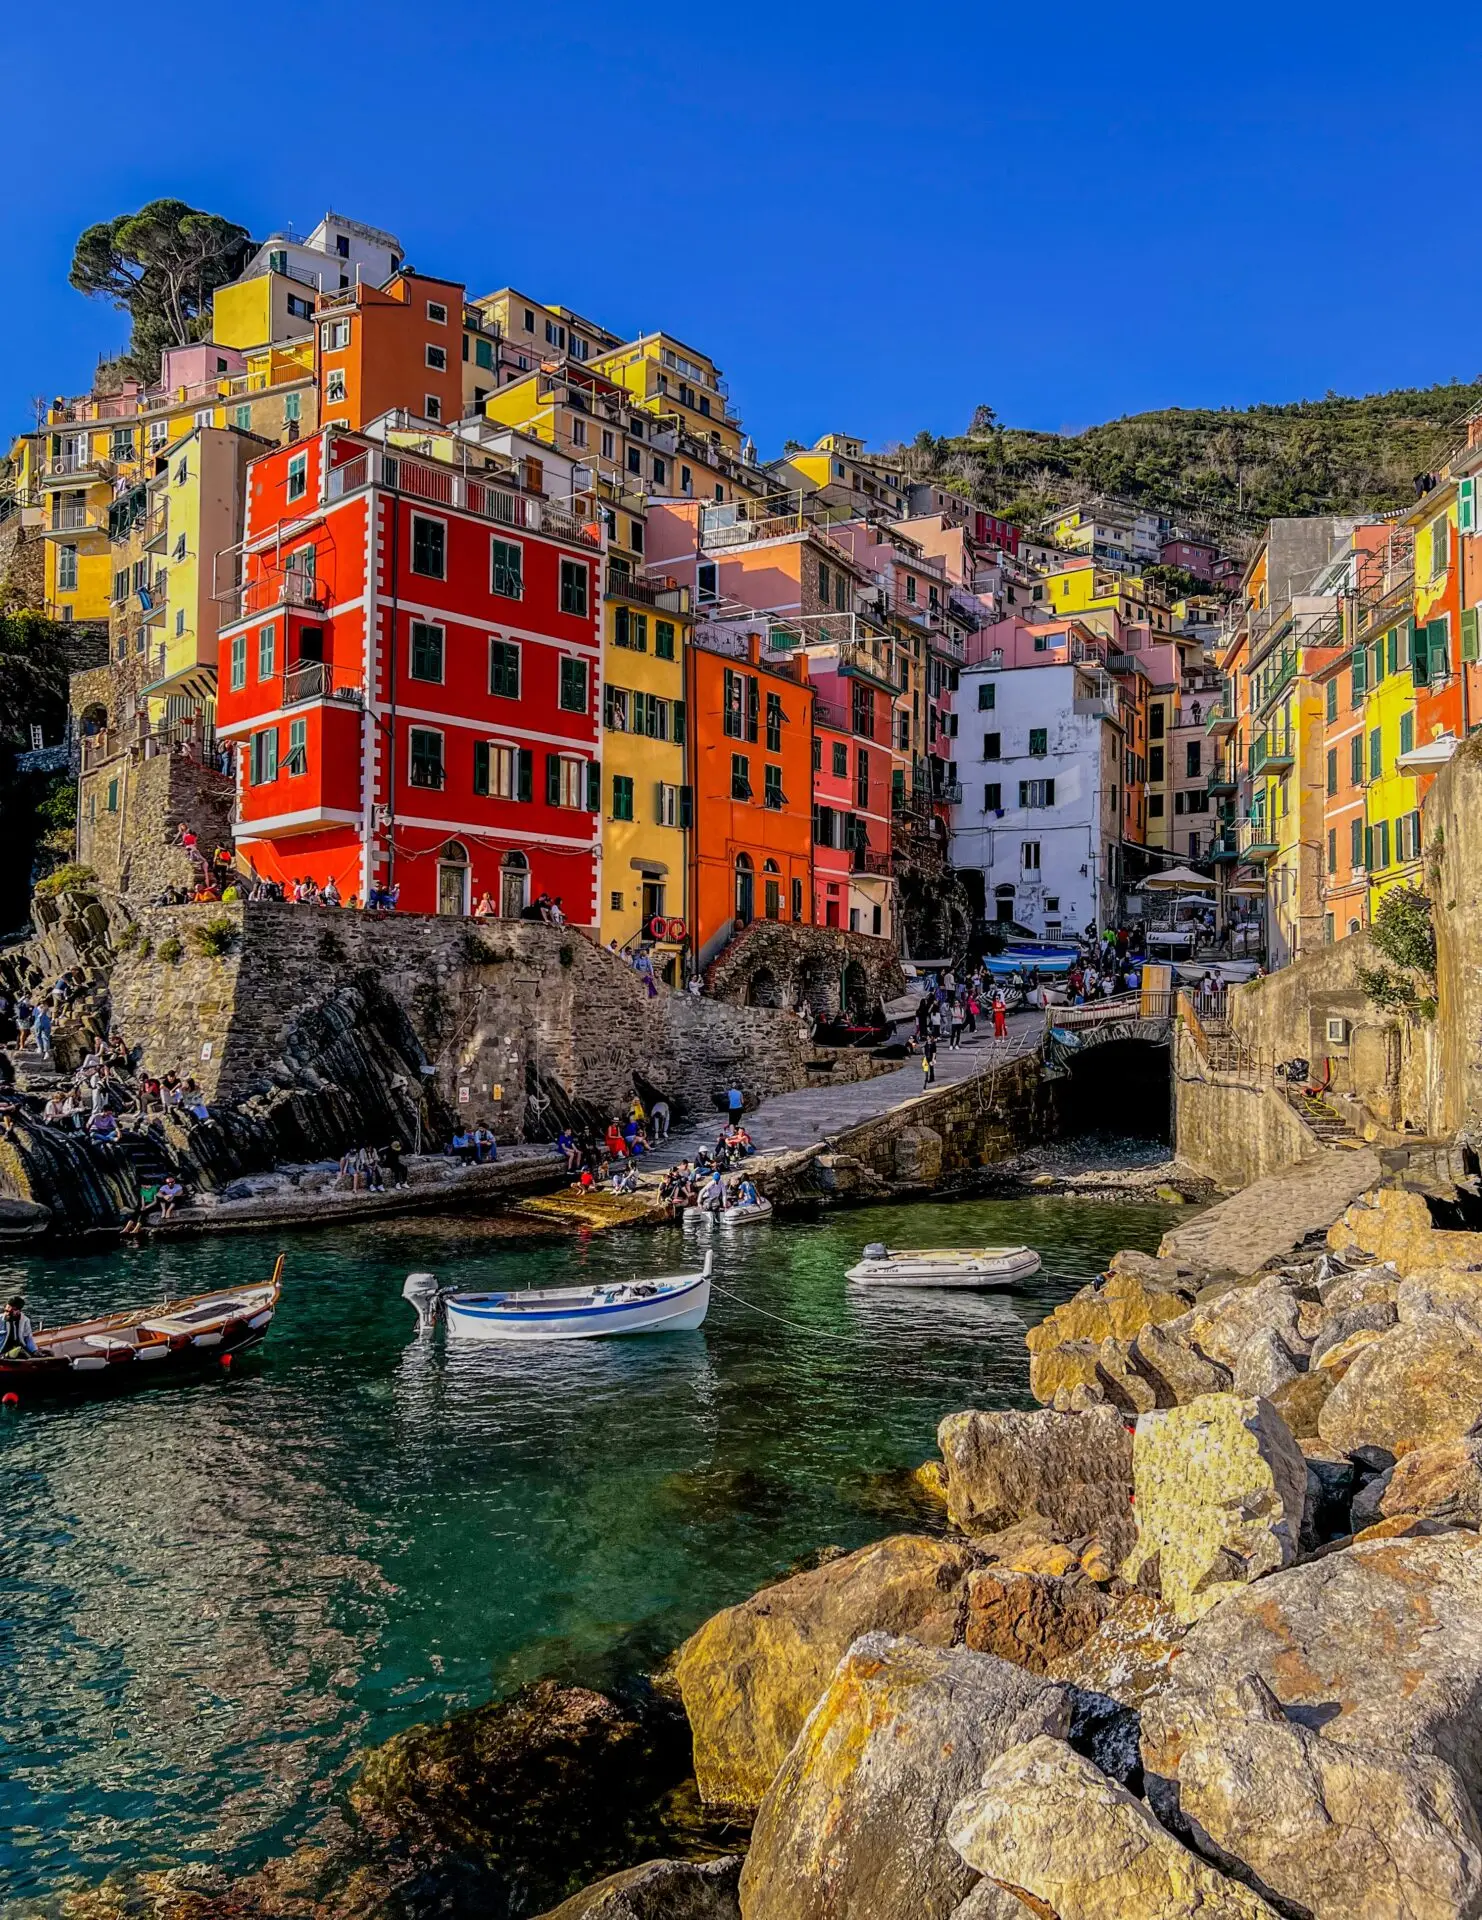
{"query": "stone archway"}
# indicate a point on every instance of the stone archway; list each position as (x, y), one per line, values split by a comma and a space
(856, 991)
(763, 990)
(816, 988)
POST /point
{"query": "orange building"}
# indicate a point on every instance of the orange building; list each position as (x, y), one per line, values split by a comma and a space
(380, 348)
(751, 778)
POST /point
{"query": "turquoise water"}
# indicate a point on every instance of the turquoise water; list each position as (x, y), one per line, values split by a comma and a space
(211, 1597)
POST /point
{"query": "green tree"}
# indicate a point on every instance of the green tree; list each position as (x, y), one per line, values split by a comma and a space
(161, 266)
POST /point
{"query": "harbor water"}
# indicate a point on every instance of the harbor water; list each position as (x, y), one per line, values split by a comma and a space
(213, 1597)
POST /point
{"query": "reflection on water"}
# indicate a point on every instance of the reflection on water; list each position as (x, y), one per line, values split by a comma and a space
(211, 1597)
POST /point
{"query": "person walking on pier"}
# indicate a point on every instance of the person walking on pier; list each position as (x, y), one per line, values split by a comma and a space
(929, 1061)
(1000, 1016)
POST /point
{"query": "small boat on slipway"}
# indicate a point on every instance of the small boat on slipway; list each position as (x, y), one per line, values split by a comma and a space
(884, 1266)
(669, 1303)
(145, 1344)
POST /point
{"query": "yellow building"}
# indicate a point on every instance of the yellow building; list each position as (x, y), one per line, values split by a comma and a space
(534, 333)
(1391, 797)
(1082, 589)
(663, 376)
(268, 309)
(645, 823)
(838, 468)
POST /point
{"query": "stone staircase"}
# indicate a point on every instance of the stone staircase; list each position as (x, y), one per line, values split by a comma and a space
(1321, 1118)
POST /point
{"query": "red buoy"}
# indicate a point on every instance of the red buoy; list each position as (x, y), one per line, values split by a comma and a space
(11, 1400)
(226, 1362)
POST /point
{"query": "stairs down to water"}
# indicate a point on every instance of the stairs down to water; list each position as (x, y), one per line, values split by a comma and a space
(1320, 1117)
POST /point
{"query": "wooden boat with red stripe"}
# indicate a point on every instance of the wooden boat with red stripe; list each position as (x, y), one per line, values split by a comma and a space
(180, 1339)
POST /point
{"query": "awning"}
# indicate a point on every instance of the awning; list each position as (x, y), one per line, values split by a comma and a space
(1429, 756)
(654, 867)
(1178, 877)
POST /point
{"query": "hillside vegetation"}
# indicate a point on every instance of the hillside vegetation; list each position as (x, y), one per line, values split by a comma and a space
(1228, 469)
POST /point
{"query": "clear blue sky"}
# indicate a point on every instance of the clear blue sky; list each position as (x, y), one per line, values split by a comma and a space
(872, 217)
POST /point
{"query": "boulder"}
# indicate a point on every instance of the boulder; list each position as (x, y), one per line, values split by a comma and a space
(1220, 1489)
(750, 1676)
(524, 1800)
(1152, 1271)
(989, 1901)
(1072, 1471)
(1221, 1327)
(1175, 1368)
(1443, 1293)
(1376, 1646)
(1342, 1287)
(1441, 1483)
(1416, 1385)
(1114, 1308)
(1328, 1828)
(660, 1890)
(1125, 1386)
(1394, 1225)
(1301, 1400)
(1334, 1361)
(856, 1820)
(1376, 1316)
(1128, 1655)
(1050, 1824)
(1030, 1619)
(1264, 1365)
(1060, 1369)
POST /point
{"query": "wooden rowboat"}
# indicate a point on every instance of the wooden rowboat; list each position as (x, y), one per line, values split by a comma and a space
(173, 1341)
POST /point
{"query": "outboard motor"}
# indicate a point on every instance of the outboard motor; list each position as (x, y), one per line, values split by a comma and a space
(426, 1297)
(876, 1250)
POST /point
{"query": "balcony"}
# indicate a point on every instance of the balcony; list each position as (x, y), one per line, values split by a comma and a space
(1224, 779)
(647, 593)
(76, 470)
(1224, 846)
(73, 519)
(868, 860)
(268, 593)
(1256, 839)
(307, 680)
(1273, 751)
(1221, 717)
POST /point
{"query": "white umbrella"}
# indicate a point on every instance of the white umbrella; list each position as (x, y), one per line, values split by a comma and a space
(1179, 877)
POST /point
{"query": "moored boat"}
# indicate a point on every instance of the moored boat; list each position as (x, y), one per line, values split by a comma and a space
(669, 1303)
(883, 1266)
(744, 1212)
(172, 1341)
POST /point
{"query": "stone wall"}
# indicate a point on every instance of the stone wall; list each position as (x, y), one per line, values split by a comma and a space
(128, 811)
(1454, 863)
(1233, 1128)
(773, 963)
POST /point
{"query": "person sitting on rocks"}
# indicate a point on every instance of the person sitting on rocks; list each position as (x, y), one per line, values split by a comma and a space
(485, 1147)
(370, 1165)
(394, 1167)
(613, 1140)
(484, 909)
(103, 1126)
(566, 1146)
(169, 1195)
(462, 1148)
(194, 1101)
(54, 1113)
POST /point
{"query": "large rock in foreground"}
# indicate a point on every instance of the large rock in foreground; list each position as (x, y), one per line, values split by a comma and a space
(1072, 1471)
(1376, 1647)
(750, 1676)
(856, 1821)
(660, 1890)
(1220, 1490)
(1050, 1823)
(1329, 1828)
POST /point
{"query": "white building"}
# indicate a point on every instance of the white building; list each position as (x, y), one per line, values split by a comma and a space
(338, 253)
(1039, 752)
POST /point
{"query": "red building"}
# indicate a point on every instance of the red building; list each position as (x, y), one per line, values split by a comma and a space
(410, 672)
(852, 778)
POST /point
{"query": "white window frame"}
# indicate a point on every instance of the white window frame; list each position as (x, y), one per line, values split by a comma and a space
(1029, 856)
(573, 782)
(437, 313)
(334, 387)
(432, 407)
(298, 477)
(437, 357)
(504, 771)
(334, 336)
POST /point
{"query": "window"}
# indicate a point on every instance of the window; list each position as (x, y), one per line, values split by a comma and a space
(663, 639)
(772, 794)
(740, 777)
(666, 812)
(579, 434)
(574, 588)
(504, 669)
(774, 723)
(426, 768)
(299, 310)
(1155, 763)
(1332, 849)
(298, 746)
(529, 320)
(1029, 856)
(622, 796)
(987, 696)
(293, 406)
(239, 662)
(1155, 721)
(1376, 753)
(1381, 843)
(635, 460)
(823, 582)
(334, 386)
(266, 650)
(432, 407)
(1039, 742)
(427, 651)
(1356, 844)
(429, 547)
(615, 708)
(264, 757)
(1332, 697)
(334, 335)
(483, 354)
(507, 569)
(1356, 761)
(1440, 547)
(1036, 793)
(437, 313)
(1407, 732)
(572, 783)
(840, 760)
(993, 797)
(298, 476)
(574, 682)
(992, 746)
(503, 773)
(1332, 769)
(707, 588)
(630, 629)
(1193, 763)
(686, 480)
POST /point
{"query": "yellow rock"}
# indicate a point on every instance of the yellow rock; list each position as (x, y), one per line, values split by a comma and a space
(1098, 1565)
(1070, 1365)
(931, 1479)
(1048, 1558)
(1341, 1356)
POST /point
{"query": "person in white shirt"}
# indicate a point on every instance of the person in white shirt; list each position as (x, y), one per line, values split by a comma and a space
(17, 1341)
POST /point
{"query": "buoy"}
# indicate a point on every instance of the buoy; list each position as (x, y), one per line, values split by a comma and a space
(226, 1363)
(11, 1400)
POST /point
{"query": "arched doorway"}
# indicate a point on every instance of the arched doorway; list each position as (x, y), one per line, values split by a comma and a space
(813, 989)
(745, 891)
(514, 885)
(772, 889)
(1003, 904)
(856, 989)
(452, 878)
(762, 989)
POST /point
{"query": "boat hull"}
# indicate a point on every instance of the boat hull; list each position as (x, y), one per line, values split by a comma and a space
(745, 1216)
(677, 1311)
(978, 1275)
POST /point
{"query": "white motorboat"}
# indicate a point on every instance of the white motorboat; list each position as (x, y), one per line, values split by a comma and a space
(669, 1303)
(883, 1266)
(744, 1212)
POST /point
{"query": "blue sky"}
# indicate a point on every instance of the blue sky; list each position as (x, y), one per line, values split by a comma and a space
(873, 218)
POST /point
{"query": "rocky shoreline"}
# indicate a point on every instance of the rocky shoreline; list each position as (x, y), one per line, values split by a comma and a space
(1201, 1634)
